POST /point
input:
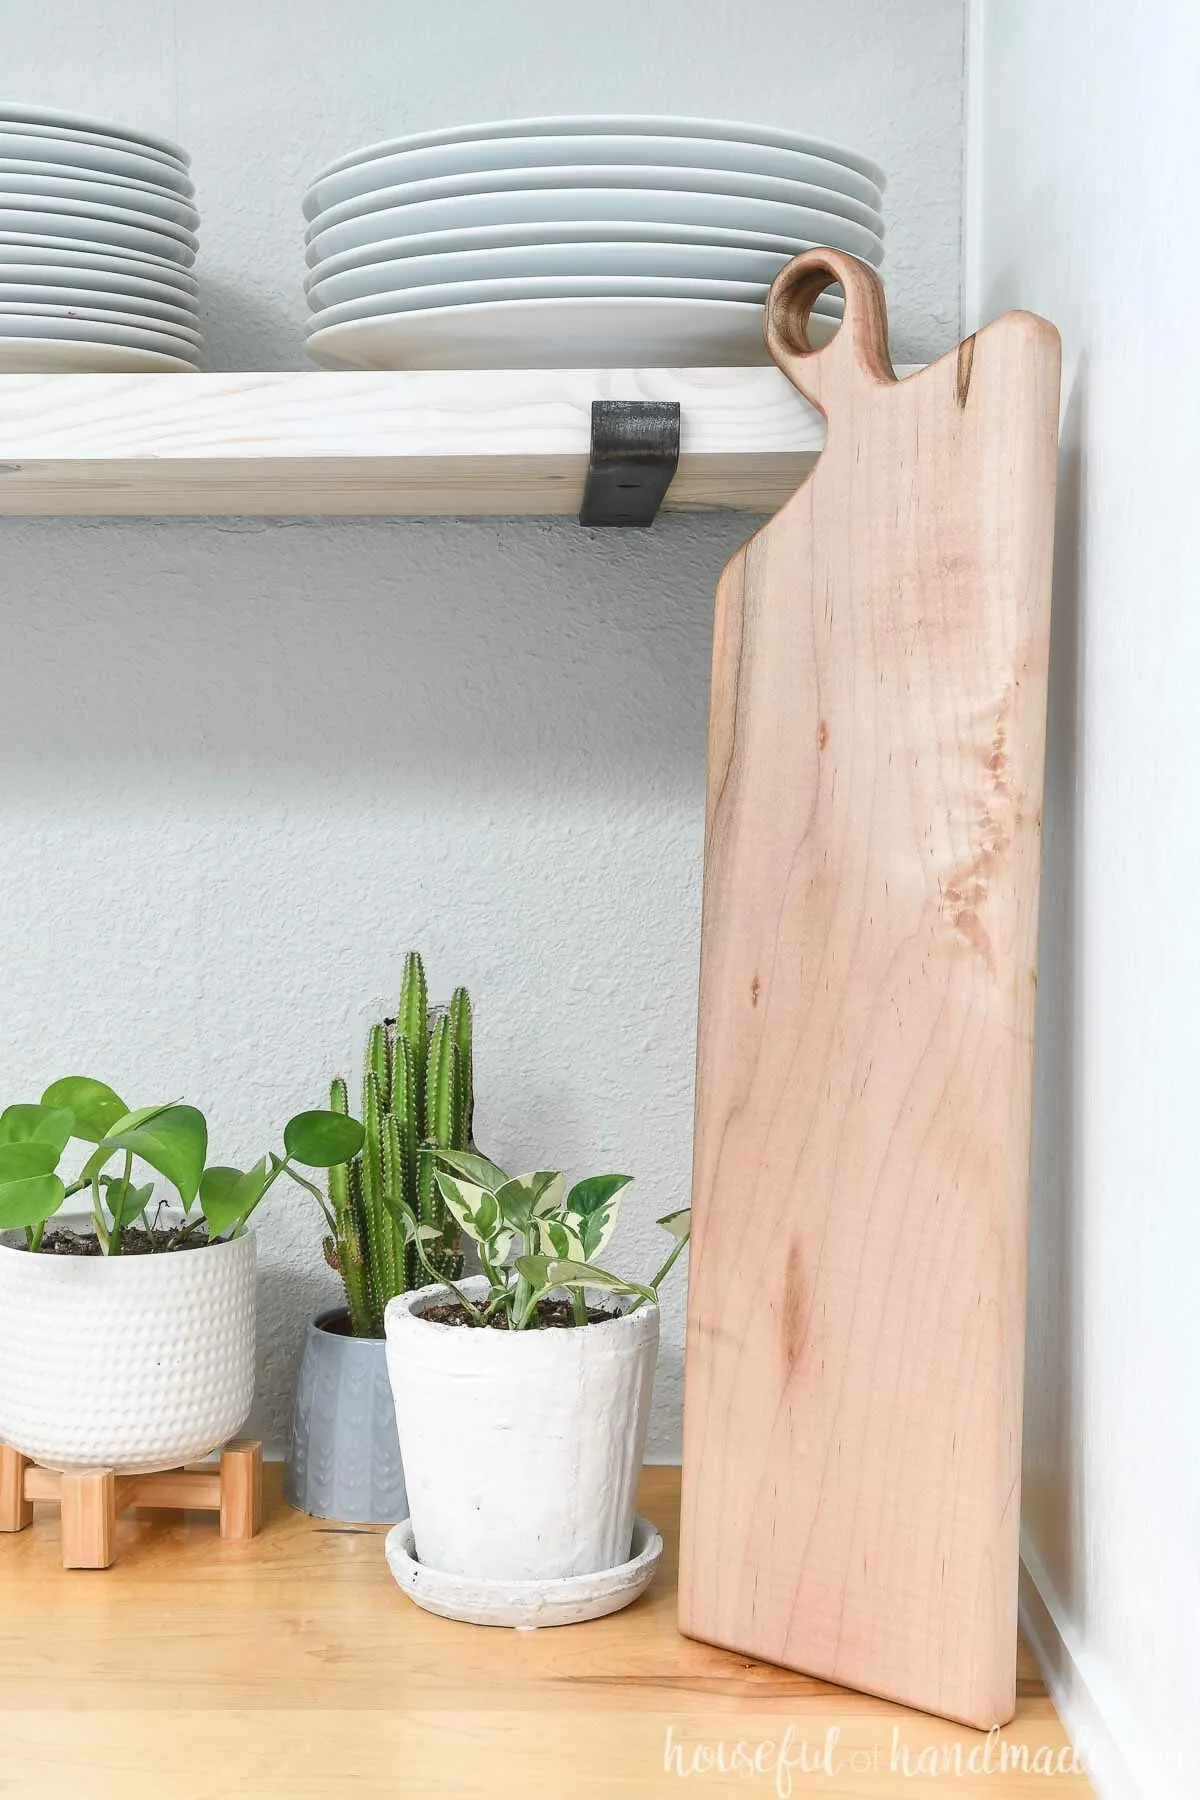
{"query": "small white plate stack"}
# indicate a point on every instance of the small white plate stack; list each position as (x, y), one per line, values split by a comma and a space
(573, 243)
(97, 238)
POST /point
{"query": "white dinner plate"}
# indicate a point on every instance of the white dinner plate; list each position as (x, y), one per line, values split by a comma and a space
(85, 253)
(701, 262)
(119, 309)
(556, 334)
(19, 143)
(553, 231)
(602, 175)
(664, 206)
(82, 146)
(551, 287)
(60, 322)
(15, 114)
(110, 206)
(53, 279)
(55, 356)
(103, 335)
(604, 125)
(99, 225)
(108, 190)
(484, 154)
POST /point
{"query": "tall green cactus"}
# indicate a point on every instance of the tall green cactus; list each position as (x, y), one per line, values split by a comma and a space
(349, 1249)
(418, 1097)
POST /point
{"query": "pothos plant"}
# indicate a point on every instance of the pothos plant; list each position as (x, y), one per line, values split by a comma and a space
(533, 1238)
(171, 1140)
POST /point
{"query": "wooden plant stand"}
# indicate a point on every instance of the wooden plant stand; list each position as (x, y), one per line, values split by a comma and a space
(91, 1499)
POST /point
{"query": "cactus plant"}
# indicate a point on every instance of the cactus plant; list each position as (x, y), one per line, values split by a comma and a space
(418, 1099)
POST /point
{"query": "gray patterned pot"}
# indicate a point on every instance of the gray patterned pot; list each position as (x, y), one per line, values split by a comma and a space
(344, 1460)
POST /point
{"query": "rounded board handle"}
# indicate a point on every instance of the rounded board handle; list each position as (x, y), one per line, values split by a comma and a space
(858, 350)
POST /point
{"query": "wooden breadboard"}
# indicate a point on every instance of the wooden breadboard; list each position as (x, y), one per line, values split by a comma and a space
(852, 1434)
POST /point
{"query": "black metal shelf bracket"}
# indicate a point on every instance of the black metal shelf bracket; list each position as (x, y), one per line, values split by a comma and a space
(634, 455)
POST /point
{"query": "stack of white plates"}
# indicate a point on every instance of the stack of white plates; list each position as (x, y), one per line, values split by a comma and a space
(97, 237)
(573, 243)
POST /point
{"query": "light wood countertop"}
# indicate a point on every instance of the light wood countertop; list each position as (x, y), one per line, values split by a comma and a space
(292, 1667)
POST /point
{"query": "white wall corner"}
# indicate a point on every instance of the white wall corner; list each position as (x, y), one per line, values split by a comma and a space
(972, 179)
(1085, 1698)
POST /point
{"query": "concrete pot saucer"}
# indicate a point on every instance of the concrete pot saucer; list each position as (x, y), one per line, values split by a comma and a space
(527, 1605)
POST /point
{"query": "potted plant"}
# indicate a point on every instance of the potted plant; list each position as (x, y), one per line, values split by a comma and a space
(417, 1097)
(522, 1398)
(127, 1330)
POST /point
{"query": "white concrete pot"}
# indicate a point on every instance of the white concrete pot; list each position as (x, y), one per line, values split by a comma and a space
(521, 1450)
(135, 1363)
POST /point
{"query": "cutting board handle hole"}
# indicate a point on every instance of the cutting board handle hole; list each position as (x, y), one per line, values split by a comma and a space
(858, 349)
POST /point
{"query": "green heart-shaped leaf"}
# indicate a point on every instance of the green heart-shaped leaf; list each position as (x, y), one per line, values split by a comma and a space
(589, 1196)
(516, 1208)
(595, 1230)
(37, 1125)
(228, 1196)
(219, 1200)
(323, 1140)
(561, 1272)
(95, 1106)
(550, 1197)
(487, 1214)
(534, 1269)
(107, 1149)
(404, 1216)
(172, 1139)
(125, 1201)
(527, 1197)
(472, 1207)
(19, 1161)
(559, 1240)
(475, 1168)
(29, 1202)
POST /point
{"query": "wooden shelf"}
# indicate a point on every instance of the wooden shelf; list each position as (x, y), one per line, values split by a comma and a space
(455, 443)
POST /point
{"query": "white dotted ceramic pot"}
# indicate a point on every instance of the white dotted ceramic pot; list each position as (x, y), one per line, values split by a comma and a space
(521, 1450)
(135, 1363)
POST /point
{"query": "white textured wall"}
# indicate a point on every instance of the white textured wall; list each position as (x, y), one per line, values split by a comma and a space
(243, 767)
(1088, 121)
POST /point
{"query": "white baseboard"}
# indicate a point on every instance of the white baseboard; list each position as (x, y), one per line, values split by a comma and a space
(1088, 1705)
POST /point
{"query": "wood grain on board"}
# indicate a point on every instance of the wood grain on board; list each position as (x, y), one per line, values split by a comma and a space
(856, 1315)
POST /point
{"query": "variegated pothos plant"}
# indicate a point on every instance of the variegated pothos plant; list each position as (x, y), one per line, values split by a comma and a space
(534, 1237)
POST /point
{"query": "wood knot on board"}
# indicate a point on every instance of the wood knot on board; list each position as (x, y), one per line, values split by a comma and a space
(755, 991)
(966, 889)
(791, 1318)
(822, 735)
(966, 361)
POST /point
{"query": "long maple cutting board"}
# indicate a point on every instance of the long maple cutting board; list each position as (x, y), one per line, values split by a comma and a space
(852, 1433)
